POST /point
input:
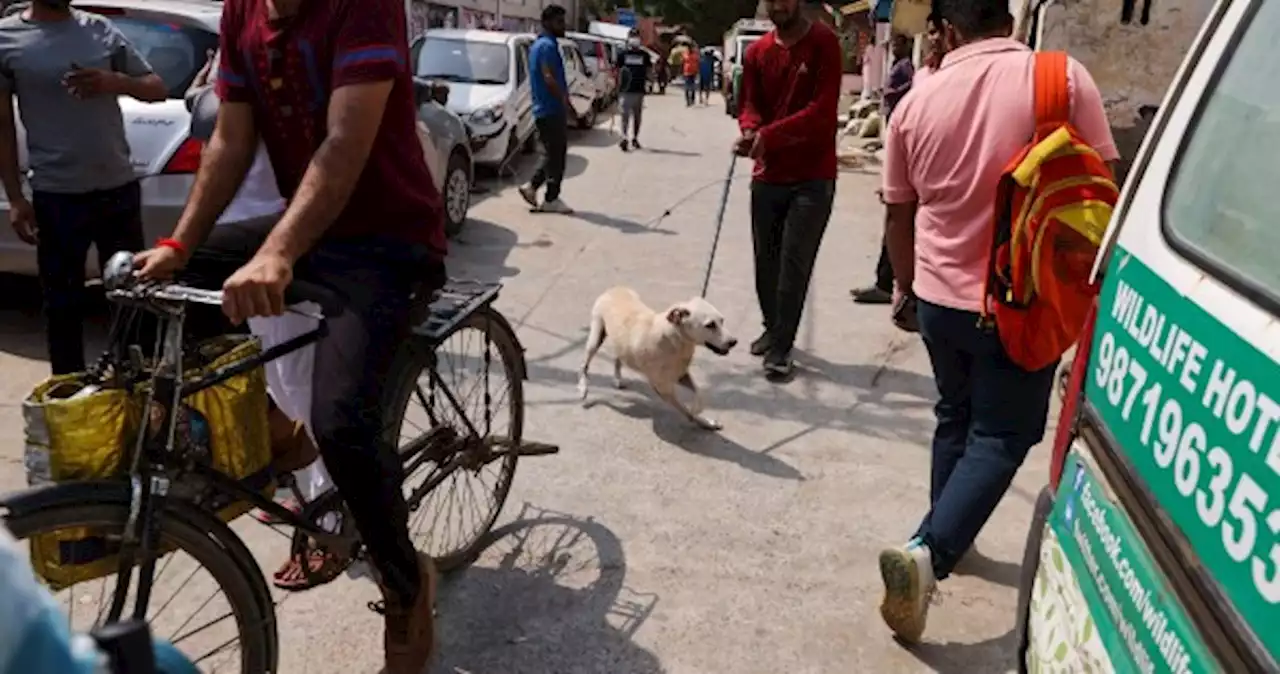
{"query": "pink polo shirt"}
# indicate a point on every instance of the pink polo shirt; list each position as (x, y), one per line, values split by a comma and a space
(947, 144)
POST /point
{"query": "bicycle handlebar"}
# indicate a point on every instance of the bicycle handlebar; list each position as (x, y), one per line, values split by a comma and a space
(120, 281)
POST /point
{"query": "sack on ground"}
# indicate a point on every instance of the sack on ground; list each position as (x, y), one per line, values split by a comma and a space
(76, 430)
(1053, 204)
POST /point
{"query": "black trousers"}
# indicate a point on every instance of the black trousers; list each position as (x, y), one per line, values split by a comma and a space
(110, 221)
(553, 132)
(787, 224)
(374, 278)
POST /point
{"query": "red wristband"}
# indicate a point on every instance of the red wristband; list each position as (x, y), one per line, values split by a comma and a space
(171, 243)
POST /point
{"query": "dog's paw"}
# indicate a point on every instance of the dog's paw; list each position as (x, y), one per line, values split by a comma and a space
(710, 424)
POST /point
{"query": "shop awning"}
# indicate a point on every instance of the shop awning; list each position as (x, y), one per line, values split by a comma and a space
(855, 7)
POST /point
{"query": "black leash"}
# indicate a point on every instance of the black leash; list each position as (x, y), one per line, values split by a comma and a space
(715, 241)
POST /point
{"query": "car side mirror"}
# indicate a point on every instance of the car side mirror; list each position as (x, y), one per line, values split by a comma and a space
(426, 91)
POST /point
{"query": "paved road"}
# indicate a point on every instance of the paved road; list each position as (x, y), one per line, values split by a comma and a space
(646, 545)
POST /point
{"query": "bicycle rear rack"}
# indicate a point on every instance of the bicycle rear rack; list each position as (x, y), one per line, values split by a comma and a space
(457, 300)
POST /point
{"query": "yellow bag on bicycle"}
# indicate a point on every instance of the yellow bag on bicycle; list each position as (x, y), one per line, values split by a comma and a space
(76, 432)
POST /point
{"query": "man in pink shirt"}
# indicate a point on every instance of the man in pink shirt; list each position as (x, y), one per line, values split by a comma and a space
(947, 145)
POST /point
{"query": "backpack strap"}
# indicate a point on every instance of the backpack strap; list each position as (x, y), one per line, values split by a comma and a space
(1053, 97)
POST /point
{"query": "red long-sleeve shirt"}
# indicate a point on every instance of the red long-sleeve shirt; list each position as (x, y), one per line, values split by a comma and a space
(790, 97)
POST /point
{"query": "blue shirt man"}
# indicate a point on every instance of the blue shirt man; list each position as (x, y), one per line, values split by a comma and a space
(551, 112)
(545, 56)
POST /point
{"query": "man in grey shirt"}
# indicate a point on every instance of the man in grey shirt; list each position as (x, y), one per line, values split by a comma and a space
(66, 68)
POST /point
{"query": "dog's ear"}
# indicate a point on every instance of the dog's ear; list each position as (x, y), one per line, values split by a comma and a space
(676, 315)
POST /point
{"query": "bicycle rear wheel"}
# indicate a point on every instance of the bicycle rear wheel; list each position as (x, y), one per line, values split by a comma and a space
(236, 634)
(490, 392)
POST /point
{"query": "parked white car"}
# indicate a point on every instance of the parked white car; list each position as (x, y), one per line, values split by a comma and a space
(582, 91)
(174, 36)
(488, 77)
(600, 56)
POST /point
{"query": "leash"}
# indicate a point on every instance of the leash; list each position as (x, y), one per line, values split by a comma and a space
(715, 241)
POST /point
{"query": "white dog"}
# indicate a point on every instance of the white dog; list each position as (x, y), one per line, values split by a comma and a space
(658, 346)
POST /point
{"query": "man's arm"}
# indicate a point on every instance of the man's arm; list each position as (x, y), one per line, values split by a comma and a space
(819, 116)
(230, 150)
(137, 79)
(749, 118)
(900, 207)
(10, 173)
(548, 71)
(355, 115)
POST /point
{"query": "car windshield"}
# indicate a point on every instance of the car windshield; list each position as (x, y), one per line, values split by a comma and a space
(175, 52)
(464, 61)
(1221, 202)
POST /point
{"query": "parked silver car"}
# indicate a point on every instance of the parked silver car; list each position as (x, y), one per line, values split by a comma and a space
(175, 36)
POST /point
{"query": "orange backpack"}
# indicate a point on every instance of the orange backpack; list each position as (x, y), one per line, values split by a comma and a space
(1053, 204)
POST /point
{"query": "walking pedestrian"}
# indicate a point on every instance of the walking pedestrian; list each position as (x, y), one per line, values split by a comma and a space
(706, 76)
(900, 80)
(689, 69)
(947, 146)
(67, 68)
(790, 93)
(551, 111)
(327, 87)
(634, 65)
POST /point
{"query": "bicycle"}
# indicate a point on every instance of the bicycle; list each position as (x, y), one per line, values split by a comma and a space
(166, 503)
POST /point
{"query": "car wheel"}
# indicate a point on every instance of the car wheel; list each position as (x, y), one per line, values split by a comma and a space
(457, 193)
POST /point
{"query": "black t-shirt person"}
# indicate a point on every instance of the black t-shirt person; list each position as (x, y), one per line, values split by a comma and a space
(633, 70)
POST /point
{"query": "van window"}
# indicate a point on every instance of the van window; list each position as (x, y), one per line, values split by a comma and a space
(522, 63)
(463, 61)
(176, 53)
(566, 54)
(1221, 206)
(587, 47)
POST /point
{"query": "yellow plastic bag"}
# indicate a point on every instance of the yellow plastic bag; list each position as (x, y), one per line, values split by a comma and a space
(89, 436)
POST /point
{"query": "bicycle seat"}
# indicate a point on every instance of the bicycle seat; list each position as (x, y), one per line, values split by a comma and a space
(331, 305)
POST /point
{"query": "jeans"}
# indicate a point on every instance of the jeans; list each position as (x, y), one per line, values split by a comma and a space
(109, 220)
(553, 133)
(690, 90)
(787, 224)
(632, 105)
(375, 279)
(990, 413)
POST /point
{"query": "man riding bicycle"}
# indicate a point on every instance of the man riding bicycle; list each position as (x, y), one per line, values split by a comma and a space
(327, 87)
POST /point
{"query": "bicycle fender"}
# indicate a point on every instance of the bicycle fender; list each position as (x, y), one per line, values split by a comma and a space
(21, 503)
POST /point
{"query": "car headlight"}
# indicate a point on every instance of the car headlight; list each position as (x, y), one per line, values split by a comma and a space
(489, 115)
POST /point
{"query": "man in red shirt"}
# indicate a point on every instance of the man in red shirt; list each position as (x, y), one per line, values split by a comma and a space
(327, 87)
(790, 92)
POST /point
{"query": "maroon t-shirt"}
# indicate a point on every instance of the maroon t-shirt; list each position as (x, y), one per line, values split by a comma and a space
(790, 97)
(287, 71)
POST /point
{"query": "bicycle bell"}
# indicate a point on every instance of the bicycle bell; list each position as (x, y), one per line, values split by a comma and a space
(119, 271)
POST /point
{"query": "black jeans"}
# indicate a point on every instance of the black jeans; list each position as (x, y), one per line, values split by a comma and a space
(374, 278)
(553, 132)
(109, 220)
(787, 224)
(990, 413)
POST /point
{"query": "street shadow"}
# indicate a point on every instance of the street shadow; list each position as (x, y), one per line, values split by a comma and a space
(990, 655)
(666, 152)
(547, 594)
(480, 251)
(672, 428)
(597, 136)
(621, 224)
(978, 565)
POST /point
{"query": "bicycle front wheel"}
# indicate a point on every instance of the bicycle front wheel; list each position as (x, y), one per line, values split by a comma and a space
(201, 601)
(478, 364)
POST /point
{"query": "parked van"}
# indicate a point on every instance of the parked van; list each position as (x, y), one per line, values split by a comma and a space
(600, 54)
(583, 94)
(488, 76)
(1156, 545)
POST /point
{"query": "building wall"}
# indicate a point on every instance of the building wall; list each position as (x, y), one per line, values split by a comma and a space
(510, 15)
(1133, 64)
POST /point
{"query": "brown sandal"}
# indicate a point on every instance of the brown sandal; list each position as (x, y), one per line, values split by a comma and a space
(321, 567)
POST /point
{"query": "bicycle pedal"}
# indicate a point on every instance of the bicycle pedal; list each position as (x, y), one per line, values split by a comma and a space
(537, 449)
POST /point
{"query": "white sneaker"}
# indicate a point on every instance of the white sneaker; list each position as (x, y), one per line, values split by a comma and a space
(556, 206)
(530, 194)
(908, 588)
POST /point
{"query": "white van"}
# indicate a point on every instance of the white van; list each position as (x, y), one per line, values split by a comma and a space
(488, 76)
(600, 54)
(1156, 545)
